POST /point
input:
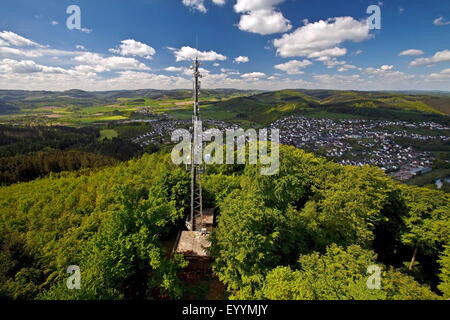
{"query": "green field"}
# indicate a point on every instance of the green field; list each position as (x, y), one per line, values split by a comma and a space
(108, 134)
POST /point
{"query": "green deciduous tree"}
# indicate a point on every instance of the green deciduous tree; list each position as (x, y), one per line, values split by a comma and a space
(340, 275)
(427, 221)
(444, 261)
(248, 241)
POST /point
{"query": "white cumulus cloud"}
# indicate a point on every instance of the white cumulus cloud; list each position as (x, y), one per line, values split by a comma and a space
(323, 55)
(26, 66)
(241, 59)
(253, 75)
(19, 52)
(134, 48)
(187, 53)
(174, 69)
(109, 63)
(411, 52)
(440, 56)
(384, 70)
(386, 67)
(199, 5)
(264, 22)
(331, 63)
(440, 21)
(346, 67)
(293, 66)
(321, 39)
(219, 2)
(16, 40)
(261, 16)
(444, 75)
(251, 5)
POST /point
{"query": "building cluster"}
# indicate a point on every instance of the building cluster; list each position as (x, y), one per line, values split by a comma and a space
(160, 130)
(355, 142)
(145, 111)
(360, 142)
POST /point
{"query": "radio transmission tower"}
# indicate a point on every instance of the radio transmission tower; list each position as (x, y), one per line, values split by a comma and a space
(195, 221)
(192, 244)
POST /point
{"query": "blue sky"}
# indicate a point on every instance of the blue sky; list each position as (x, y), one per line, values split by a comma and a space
(137, 44)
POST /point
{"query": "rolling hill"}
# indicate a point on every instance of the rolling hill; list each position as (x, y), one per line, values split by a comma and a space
(79, 98)
(267, 107)
(249, 106)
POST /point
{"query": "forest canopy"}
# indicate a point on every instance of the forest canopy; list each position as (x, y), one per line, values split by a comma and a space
(309, 232)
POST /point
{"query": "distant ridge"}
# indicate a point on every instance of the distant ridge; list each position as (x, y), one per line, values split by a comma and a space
(261, 107)
(269, 106)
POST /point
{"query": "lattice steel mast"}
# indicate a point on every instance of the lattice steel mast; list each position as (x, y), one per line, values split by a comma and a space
(196, 217)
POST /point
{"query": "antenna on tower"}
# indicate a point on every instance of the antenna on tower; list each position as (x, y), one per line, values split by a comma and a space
(196, 43)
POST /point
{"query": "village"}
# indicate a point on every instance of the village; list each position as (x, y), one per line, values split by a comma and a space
(346, 141)
(365, 142)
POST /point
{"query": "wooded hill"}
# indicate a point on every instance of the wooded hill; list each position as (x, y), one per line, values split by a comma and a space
(309, 232)
(269, 106)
